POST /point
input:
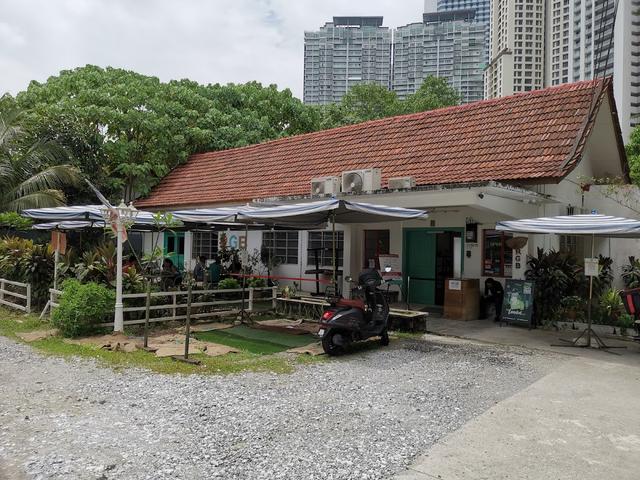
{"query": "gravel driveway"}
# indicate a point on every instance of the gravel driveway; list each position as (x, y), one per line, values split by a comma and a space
(364, 416)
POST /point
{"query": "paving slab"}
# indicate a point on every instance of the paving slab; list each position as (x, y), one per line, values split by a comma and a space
(579, 422)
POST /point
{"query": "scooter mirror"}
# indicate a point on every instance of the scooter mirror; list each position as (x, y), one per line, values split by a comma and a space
(387, 268)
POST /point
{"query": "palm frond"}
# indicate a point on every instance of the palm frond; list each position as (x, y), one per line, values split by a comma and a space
(41, 199)
(51, 178)
(9, 128)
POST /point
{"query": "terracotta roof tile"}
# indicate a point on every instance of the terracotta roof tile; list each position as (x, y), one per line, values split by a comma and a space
(525, 136)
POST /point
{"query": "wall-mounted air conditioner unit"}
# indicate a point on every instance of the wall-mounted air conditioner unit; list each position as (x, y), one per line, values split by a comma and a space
(325, 186)
(402, 183)
(359, 181)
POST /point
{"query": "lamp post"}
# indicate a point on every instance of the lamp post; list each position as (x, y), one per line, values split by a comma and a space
(119, 217)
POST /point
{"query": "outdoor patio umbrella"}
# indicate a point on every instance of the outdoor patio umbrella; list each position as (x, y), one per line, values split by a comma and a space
(592, 225)
(332, 210)
(78, 216)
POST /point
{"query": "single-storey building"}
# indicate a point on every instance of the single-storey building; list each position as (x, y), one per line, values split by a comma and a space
(528, 155)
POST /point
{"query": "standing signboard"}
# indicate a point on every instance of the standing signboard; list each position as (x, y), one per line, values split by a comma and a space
(517, 306)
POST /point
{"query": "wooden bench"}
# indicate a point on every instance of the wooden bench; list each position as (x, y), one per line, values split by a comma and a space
(413, 318)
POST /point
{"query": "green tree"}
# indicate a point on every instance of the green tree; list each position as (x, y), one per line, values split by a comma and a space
(129, 130)
(369, 102)
(433, 93)
(32, 173)
(633, 155)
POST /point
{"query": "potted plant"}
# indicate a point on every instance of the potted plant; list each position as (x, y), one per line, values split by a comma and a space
(631, 273)
(611, 303)
(625, 322)
(571, 307)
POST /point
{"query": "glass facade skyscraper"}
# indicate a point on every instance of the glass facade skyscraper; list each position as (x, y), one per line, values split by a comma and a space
(343, 53)
(483, 14)
(448, 45)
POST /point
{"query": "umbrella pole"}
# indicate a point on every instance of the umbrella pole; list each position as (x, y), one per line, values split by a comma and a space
(243, 313)
(593, 241)
(335, 263)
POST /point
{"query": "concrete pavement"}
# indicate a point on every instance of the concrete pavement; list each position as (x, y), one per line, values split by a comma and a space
(582, 421)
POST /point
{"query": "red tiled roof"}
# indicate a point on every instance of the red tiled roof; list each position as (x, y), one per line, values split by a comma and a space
(526, 137)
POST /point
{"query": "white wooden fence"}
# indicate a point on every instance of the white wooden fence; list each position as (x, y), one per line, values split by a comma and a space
(15, 295)
(173, 304)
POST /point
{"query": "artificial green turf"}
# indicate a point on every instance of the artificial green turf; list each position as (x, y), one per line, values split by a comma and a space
(255, 340)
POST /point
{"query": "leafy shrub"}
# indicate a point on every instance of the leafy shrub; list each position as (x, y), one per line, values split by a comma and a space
(631, 273)
(38, 266)
(605, 276)
(13, 220)
(555, 276)
(611, 304)
(625, 322)
(22, 261)
(257, 283)
(82, 307)
(228, 284)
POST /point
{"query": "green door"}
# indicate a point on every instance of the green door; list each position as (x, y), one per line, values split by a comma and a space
(420, 265)
(174, 248)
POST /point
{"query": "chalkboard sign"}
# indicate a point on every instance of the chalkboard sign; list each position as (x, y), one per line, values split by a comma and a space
(518, 301)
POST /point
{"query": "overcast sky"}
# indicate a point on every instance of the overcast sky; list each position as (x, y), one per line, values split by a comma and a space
(204, 40)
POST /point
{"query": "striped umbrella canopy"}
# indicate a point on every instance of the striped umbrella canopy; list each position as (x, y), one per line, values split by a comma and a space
(86, 215)
(323, 211)
(594, 224)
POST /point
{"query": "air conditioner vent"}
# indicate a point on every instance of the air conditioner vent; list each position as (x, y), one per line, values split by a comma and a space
(361, 181)
(325, 186)
(402, 183)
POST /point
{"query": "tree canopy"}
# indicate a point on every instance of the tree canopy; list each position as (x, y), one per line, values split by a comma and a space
(633, 155)
(365, 102)
(125, 131)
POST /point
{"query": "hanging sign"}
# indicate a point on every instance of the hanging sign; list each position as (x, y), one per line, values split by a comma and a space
(591, 267)
(517, 305)
(58, 241)
(236, 241)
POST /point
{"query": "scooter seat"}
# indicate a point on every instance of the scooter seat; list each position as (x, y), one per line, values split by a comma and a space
(355, 303)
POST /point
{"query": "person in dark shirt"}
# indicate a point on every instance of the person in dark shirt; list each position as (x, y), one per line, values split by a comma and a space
(494, 294)
(200, 269)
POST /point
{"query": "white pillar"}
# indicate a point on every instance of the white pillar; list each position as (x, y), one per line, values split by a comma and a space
(188, 252)
(118, 319)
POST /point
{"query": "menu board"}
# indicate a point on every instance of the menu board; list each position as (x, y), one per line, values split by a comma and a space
(518, 301)
(393, 261)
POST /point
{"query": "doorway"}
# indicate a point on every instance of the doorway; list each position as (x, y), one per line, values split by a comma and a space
(430, 256)
(174, 248)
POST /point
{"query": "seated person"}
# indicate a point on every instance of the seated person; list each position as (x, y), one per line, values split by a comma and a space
(170, 274)
(200, 269)
(214, 272)
(130, 263)
(494, 294)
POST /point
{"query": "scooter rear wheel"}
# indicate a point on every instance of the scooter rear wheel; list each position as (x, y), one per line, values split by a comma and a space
(330, 346)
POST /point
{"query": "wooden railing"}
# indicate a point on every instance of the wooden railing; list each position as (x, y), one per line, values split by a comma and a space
(15, 295)
(204, 304)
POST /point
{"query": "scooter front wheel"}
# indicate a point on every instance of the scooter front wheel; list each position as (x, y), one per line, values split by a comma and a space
(333, 343)
(384, 338)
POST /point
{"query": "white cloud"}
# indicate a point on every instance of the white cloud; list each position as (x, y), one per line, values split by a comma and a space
(210, 41)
